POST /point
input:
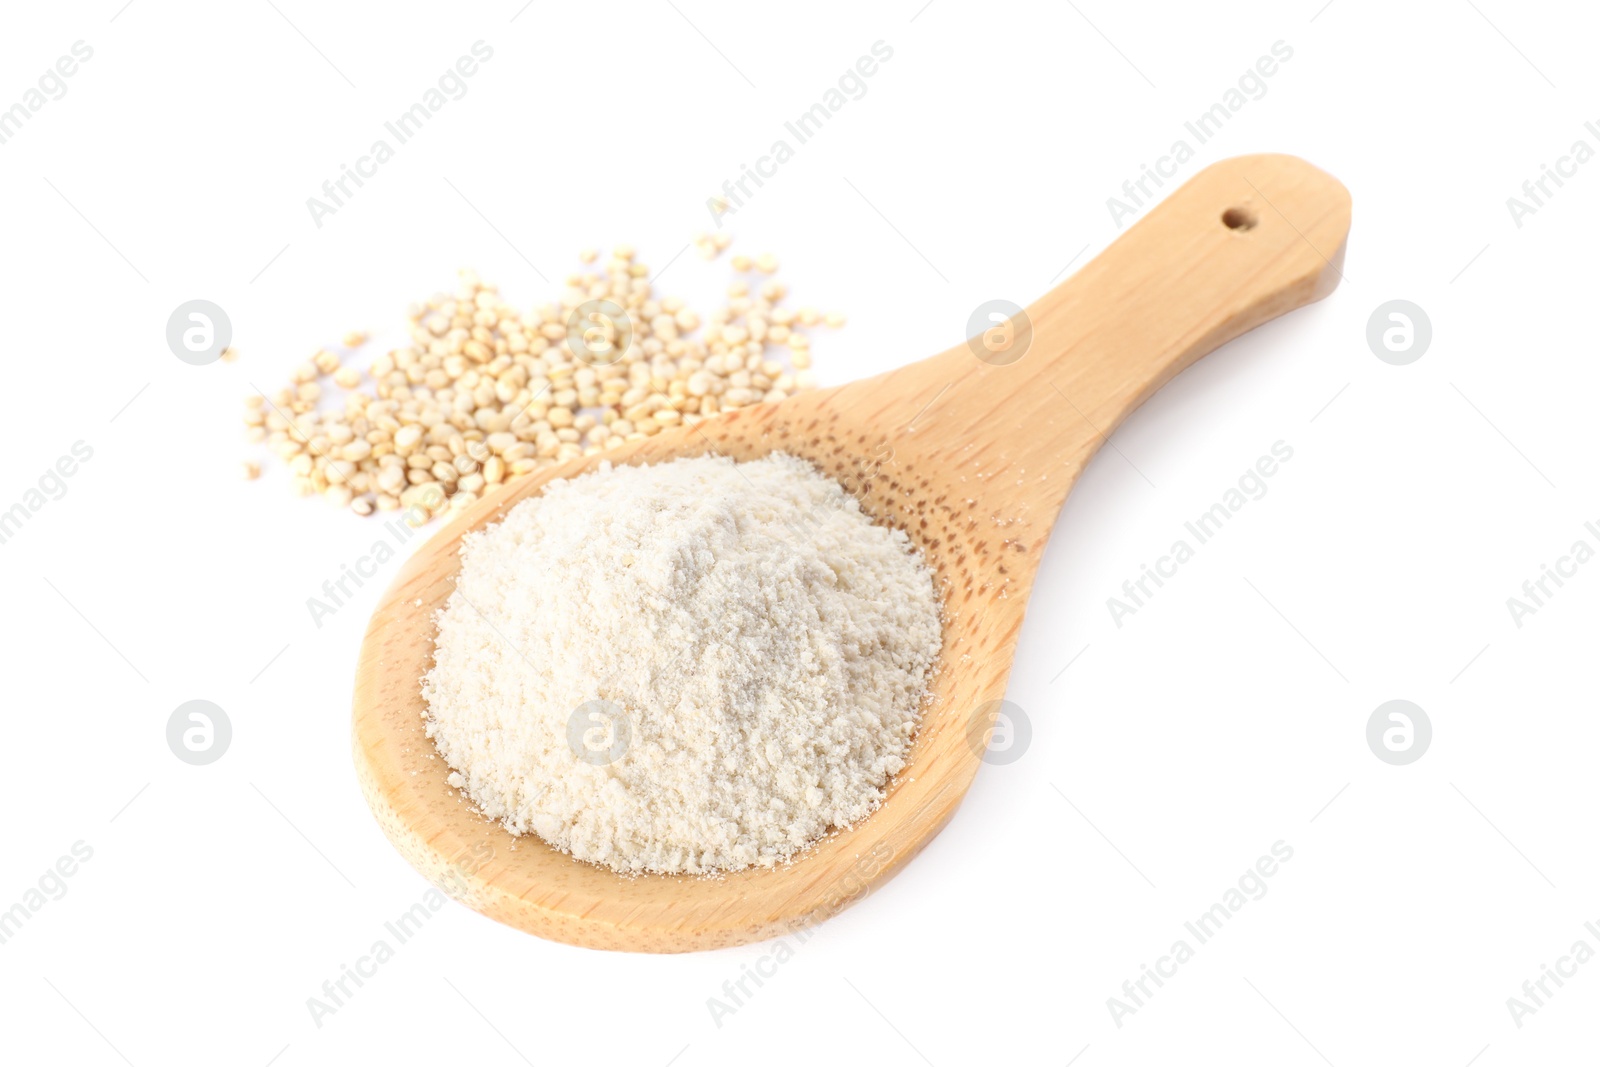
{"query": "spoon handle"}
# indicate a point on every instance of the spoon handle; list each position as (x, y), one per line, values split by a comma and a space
(1244, 241)
(1033, 398)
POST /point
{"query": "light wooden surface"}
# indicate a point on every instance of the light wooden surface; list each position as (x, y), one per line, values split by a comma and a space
(972, 457)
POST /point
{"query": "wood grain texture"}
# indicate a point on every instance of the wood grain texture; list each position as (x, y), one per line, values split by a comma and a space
(972, 457)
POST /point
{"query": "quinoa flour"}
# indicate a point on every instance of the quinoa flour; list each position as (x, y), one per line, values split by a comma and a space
(691, 667)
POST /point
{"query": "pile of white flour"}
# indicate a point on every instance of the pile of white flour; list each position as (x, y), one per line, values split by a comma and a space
(690, 667)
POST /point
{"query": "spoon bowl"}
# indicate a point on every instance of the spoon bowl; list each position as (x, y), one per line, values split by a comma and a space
(972, 453)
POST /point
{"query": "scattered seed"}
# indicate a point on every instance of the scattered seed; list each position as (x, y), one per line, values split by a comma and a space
(485, 393)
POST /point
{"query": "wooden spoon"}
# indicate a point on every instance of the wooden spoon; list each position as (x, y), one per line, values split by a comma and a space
(972, 453)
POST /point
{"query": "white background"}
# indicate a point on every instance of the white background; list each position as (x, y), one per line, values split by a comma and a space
(1226, 715)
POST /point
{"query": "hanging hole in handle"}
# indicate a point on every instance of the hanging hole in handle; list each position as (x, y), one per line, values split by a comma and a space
(1239, 218)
